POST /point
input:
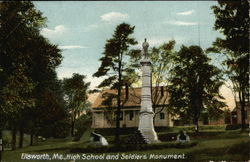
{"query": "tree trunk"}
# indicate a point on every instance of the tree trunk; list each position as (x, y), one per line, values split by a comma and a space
(36, 140)
(242, 106)
(13, 141)
(196, 116)
(197, 126)
(242, 117)
(72, 128)
(1, 144)
(31, 138)
(21, 137)
(117, 135)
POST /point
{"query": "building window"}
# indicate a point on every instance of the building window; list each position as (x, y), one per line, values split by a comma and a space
(162, 115)
(121, 115)
(131, 115)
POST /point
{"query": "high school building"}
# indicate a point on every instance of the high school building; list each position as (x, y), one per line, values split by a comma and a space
(104, 112)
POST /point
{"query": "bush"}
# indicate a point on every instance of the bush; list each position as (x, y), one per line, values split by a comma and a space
(58, 129)
(81, 125)
(167, 137)
(112, 131)
(235, 126)
(212, 127)
(131, 130)
(201, 127)
(6, 140)
(193, 135)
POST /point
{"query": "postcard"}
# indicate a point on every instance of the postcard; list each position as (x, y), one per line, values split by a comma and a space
(124, 81)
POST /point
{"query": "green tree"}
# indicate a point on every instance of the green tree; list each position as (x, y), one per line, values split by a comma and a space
(113, 64)
(75, 90)
(194, 87)
(52, 117)
(15, 98)
(232, 20)
(17, 25)
(27, 62)
(45, 57)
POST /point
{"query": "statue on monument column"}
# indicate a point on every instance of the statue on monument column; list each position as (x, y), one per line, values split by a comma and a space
(145, 46)
(146, 124)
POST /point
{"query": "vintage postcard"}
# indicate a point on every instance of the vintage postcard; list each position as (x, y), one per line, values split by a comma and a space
(124, 81)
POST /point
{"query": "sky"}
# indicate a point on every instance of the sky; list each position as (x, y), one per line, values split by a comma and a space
(81, 28)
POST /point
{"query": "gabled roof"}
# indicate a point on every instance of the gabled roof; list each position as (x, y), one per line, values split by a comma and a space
(92, 97)
(159, 97)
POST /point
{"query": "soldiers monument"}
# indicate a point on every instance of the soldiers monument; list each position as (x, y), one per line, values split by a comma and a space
(146, 125)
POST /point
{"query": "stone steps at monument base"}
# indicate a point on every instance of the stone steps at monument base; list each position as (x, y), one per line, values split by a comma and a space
(136, 138)
(150, 137)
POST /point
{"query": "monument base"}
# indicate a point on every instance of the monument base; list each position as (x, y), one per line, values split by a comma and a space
(136, 138)
(146, 127)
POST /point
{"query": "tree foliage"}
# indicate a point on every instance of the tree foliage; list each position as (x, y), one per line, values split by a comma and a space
(115, 52)
(75, 94)
(113, 64)
(14, 33)
(28, 62)
(232, 20)
(161, 59)
(194, 87)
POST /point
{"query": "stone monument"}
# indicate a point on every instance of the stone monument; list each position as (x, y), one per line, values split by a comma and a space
(146, 125)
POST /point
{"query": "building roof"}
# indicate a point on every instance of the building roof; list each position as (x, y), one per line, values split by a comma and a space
(133, 99)
(92, 97)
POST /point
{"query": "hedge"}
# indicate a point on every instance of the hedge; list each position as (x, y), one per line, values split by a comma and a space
(236, 126)
(127, 131)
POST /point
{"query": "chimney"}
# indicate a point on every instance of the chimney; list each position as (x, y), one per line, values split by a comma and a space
(162, 91)
(126, 91)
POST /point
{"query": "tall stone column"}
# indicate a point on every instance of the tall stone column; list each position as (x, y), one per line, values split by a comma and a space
(146, 125)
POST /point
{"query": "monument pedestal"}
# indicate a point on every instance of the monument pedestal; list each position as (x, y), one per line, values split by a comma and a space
(146, 127)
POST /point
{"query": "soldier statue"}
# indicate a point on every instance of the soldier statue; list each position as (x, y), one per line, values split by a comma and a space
(145, 46)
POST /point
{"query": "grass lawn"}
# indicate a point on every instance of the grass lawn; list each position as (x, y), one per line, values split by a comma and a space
(211, 145)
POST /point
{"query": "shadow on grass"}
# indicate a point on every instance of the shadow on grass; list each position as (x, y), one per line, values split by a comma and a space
(239, 151)
(126, 148)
